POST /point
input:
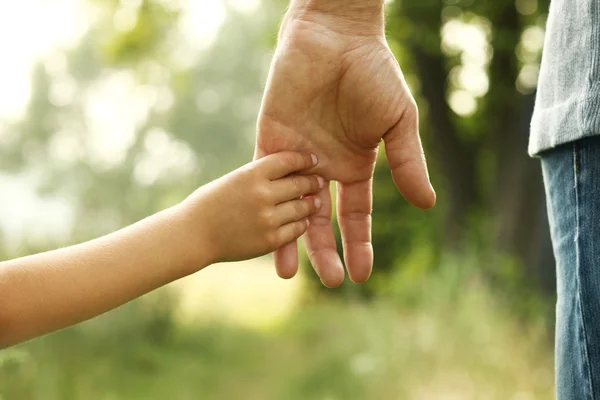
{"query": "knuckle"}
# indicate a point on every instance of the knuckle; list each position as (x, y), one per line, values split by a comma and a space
(272, 239)
(299, 228)
(253, 167)
(411, 105)
(266, 218)
(297, 184)
(307, 160)
(314, 184)
(300, 208)
(247, 171)
(290, 160)
(309, 184)
(309, 207)
(262, 193)
(412, 110)
(252, 173)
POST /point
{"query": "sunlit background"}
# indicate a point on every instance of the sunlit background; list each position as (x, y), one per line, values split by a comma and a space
(111, 110)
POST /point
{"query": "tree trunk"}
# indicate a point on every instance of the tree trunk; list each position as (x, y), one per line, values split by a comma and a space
(518, 193)
(456, 159)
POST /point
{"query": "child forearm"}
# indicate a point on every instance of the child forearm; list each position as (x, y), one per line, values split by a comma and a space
(49, 291)
(245, 214)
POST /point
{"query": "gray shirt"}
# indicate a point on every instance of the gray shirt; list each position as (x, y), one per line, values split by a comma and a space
(568, 100)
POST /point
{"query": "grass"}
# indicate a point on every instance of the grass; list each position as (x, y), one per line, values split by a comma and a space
(448, 337)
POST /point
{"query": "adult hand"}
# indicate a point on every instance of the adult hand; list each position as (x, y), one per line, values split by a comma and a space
(335, 89)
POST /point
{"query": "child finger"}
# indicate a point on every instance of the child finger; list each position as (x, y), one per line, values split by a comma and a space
(295, 186)
(296, 210)
(288, 233)
(282, 164)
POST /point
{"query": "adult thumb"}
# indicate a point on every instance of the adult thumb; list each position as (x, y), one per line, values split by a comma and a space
(407, 160)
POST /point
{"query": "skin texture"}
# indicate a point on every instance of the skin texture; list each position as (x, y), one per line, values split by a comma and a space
(336, 90)
(247, 213)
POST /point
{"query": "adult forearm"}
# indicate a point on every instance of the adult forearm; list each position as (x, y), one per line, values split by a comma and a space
(49, 291)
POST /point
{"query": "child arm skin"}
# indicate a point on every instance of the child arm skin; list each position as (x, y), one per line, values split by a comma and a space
(245, 214)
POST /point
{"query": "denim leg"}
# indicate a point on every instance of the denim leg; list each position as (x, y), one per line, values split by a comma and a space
(572, 179)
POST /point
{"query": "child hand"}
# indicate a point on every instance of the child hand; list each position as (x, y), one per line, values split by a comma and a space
(255, 209)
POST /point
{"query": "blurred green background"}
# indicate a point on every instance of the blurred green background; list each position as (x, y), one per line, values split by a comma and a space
(111, 110)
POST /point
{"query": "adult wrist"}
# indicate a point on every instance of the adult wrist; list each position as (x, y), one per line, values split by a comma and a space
(351, 17)
(340, 5)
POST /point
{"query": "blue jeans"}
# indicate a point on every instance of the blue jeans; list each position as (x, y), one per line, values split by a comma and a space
(572, 179)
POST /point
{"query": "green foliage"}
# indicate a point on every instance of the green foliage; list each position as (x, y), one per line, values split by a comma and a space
(153, 24)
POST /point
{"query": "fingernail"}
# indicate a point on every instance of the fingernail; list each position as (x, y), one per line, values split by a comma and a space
(314, 158)
(317, 202)
(321, 182)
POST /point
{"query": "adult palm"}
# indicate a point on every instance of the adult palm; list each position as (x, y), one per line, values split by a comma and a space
(337, 92)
